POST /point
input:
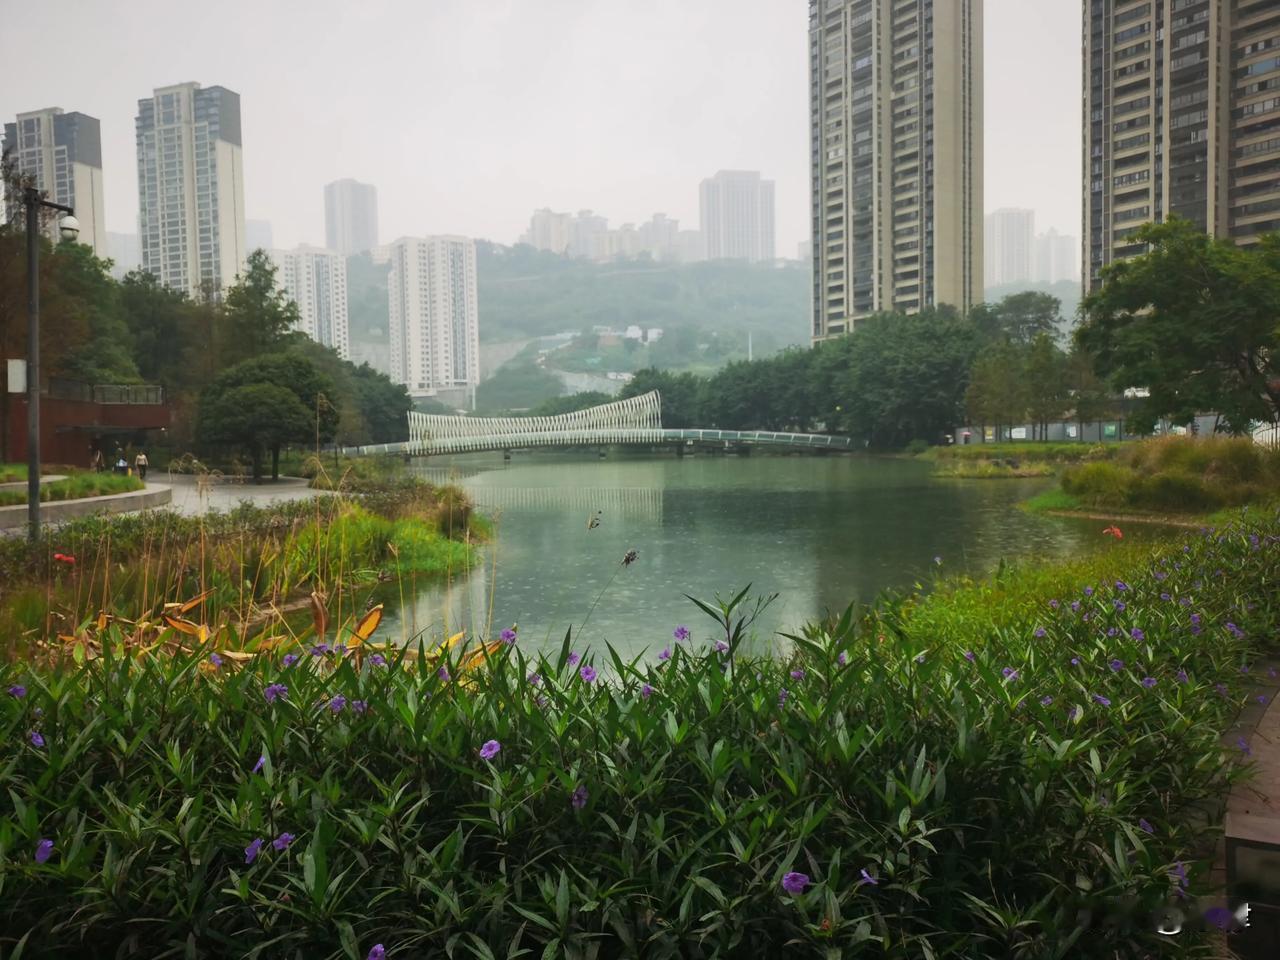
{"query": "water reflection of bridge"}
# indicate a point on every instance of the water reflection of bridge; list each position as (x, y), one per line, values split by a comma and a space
(636, 420)
(643, 503)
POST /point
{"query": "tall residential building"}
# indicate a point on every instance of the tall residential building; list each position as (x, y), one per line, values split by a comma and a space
(350, 216)
(191, 187)
(548, 231)
(435, 338)
(1055, 257)
(1008, 252)
(658, 237)
(737, 222)
(124, 252)
(63, 152)
(585, 232)
(1182, 116)
(316, 280)
(896, 141)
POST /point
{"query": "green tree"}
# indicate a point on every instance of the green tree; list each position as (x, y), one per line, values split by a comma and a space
(1193, 320)
(255, 417)
(384, 405)
(1025, 316)
(997, 392)
(257, 313)
(517, 385)
(571, 403)
(681, 395)
(1044, 374)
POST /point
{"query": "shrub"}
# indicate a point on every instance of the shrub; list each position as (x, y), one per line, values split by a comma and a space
(1101, 483)
(950, 782)
(916, 447)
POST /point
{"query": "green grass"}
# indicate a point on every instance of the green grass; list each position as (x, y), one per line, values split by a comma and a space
(991, 470)
(76, 487)
(1026, 452)
(1051, 500)
(938, 803)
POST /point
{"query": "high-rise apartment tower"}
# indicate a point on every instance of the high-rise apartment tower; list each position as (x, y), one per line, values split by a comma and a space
(350, 216)
(63, 152)
(435, 339)
(736, 209)
(895, 102)
(191, 187)
(1182, 117)
(316, 280)
(1008, 251)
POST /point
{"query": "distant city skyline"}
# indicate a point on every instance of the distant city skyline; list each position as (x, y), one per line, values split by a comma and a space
(653, 133)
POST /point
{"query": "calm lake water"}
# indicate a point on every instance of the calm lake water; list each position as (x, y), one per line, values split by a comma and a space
(818, 531)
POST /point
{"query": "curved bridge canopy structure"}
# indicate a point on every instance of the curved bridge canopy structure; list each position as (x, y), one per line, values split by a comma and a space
(635, 420)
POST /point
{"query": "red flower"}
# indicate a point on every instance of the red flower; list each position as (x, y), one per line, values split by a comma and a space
(1113, 531)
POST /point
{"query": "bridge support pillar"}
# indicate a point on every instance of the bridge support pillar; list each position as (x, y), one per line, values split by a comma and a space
(680, 450)
(506, 455)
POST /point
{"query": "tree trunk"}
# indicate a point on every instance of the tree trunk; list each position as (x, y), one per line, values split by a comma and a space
(257, 464)
(275, 461)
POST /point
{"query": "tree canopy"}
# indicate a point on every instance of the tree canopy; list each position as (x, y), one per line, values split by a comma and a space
(1194, 322)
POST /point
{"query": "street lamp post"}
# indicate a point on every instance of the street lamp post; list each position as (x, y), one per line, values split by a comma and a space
(70, 229)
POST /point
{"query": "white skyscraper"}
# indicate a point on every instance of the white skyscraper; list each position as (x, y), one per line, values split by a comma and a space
(737, 216)
(191, 187)
(1056, 257)
(1009, 254)
(316, 280)
(63, 151)
(350, 216)
(435, 326)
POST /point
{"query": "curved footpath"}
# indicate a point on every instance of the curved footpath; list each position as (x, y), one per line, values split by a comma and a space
(56, 511)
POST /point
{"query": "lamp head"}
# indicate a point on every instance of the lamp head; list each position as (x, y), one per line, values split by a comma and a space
(69, 227)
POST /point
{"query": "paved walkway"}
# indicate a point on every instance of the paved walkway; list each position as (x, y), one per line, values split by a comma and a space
(195, 498)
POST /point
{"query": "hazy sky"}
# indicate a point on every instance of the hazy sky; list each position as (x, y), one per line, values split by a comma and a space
(468, 114)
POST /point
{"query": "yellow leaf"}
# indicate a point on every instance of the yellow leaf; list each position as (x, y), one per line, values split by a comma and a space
(184, 626)
(364, 629)
(477, 656)
(182, 608)
(103, 620)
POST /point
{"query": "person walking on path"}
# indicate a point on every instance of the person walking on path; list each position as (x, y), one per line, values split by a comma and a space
(140, 462)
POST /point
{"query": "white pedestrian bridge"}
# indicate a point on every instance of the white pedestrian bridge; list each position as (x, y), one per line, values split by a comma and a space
(636, 420)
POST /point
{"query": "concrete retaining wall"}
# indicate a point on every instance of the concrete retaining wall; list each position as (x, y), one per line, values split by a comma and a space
(156, 495)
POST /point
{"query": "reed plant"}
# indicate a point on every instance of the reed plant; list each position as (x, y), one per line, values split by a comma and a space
(1014, 767)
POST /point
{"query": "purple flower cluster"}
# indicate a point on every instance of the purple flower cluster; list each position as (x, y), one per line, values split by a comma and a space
(276, 691)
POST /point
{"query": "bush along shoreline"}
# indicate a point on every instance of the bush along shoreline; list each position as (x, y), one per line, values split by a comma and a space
(250, 562)
(1016, 766)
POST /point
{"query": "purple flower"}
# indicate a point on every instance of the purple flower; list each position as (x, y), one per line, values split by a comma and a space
(1099, 698)
(665, 654)
(970, 656)
(646, 691)
(534, 679)
(1245, 668)
(782, 696)
(276, 691)
(490, 749)
(843, 658)
(443, 674)
(1244, 746)
(574, 658)
(379, 952)
(1054, 604)
(867, 878)
(721, 647)
(1009, 673)
(1165, 596)
(797, 674)
(681, 633)
(36, 739)
(340, 648)
(262, 759)
(1221, 688)
(1073, 713)
(378, 660)
(1195, 618)
(1182, 676)
(44, 850)
(1040, 632)
(1088, 591)
(320, 649)
(1112, 632)
(215, 659)
(1075, 661)
(359, 707)
(1075, 606)
(1045, 701)
(1179, 873)
(508, 636)
(579, 797)
(587, 673)
(282, 842)
(252, 850)
(290, 659)
(794, 883)
(337, 703)
(1121, 585)
(1137, 634)
(1262, 698)
(1149, 682)
(1119, 605)
(18, 691)
(1160, 575)
(1116, 665)
(1146, 826)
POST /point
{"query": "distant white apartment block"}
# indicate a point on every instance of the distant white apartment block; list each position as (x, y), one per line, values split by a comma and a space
(435, 325)
(63, 152)
(549, 231)
(737, 215)
(316, 280)
(1009, 242)
(350, 216)
(1056, 256)
(191, 187)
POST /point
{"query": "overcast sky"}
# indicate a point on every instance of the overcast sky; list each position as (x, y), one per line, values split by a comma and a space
(468, 114)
